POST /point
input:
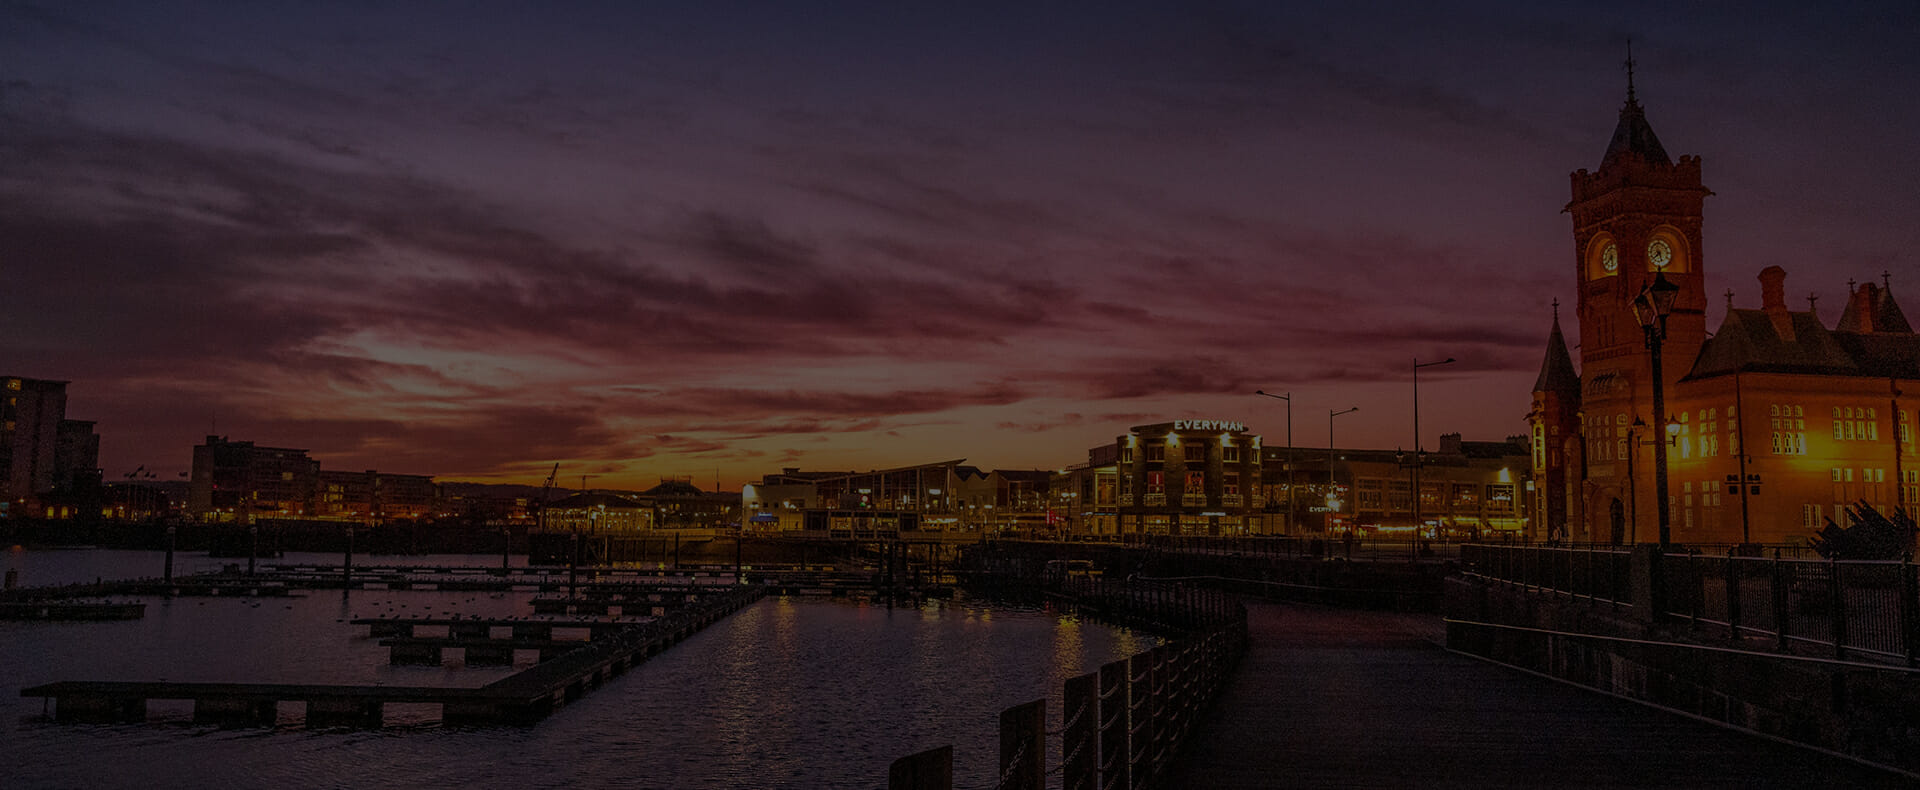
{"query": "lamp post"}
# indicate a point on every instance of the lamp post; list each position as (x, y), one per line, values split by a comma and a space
(1651, 309)
(1418, 452)
(1287, 525)
(1335, 510)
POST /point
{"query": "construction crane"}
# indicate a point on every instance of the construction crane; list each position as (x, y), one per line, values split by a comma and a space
(545, 492)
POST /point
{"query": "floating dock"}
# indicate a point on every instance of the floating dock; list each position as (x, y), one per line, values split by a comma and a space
(523, 698)
(71, 610)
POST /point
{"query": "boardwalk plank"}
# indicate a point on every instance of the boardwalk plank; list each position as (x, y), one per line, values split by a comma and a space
(1331, 698)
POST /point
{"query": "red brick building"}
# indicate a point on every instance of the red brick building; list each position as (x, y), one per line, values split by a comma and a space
(1774, 422)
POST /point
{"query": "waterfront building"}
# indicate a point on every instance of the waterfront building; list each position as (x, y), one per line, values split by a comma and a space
(679, 504)
(599, 514)
(1188, 477)
(41, 451)
(777, 502)
(143, 500)
(1774, 423)
(372, 497)
(1468, 489)
(943, 495)
(240, 482)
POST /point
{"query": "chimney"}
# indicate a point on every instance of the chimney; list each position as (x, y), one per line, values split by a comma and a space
(1773, 289)
(1773, 300)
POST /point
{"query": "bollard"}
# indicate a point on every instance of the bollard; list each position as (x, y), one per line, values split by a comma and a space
(346, 566)
(253, 547)
(928, 770)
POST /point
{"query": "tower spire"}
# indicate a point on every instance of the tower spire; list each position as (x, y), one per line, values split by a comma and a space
(1630, 98)
(1634, 136)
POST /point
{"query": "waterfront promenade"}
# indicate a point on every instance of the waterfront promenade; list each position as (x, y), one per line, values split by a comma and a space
(1333, 698)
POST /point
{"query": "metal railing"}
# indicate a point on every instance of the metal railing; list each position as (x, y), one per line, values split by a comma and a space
(1592, 572)
(1846, 608)
(1124, 723)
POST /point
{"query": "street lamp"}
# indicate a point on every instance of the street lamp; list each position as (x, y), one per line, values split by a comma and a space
(1287, 526)
(1651, 309)
(1417, 451)
(1335, 509)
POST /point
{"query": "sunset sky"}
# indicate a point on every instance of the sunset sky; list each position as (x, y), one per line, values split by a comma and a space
(643, 239)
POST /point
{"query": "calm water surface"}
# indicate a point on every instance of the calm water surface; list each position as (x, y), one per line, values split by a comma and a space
(788, 693)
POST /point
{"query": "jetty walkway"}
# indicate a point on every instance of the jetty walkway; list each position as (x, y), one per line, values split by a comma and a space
(1329, 698)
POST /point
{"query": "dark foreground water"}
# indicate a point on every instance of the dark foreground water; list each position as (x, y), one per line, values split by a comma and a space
(788, 693)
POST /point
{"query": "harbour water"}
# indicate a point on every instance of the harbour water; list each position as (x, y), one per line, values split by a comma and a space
(788, 693)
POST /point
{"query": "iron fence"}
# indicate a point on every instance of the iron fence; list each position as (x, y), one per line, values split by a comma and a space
(1592, 572)
(1848, 608)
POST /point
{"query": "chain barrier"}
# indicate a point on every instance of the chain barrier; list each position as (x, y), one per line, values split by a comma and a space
(1068, 725)
(1013, 765)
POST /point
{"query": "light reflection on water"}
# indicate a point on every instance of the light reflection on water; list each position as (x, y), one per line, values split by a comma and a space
(788, 693)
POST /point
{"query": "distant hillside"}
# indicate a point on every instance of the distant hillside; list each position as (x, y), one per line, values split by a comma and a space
(516, 490)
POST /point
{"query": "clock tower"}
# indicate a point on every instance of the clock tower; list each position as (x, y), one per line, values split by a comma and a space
(1636, 217)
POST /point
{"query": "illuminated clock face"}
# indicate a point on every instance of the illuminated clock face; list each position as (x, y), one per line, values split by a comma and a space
(1610, 259)
(1659, 254)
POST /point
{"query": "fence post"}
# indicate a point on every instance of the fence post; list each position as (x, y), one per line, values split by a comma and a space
(1733, 597)
(1587, 581)
(1779, 605)
(1023, 746)
(1908, 590)
(928, 770)
(1837, 604)
(1699, 563)
(1080, 735)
